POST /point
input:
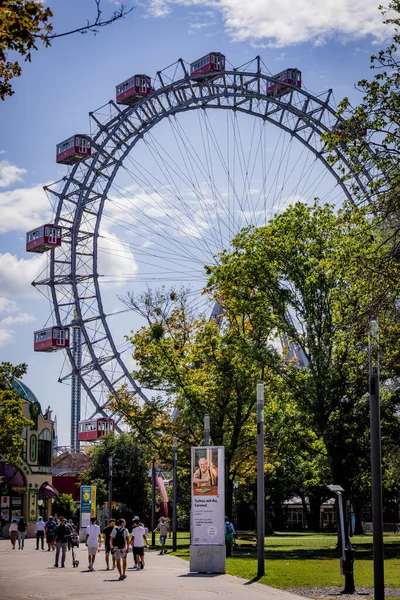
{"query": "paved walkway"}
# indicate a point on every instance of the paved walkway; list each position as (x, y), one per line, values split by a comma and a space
(30, 574)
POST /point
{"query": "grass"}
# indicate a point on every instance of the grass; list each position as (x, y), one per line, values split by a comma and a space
(309, 560)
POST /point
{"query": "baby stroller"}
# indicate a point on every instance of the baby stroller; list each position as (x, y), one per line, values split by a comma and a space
(74, 544)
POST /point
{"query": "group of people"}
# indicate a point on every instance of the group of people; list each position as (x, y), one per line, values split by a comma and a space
(18, 531)
(117, 543)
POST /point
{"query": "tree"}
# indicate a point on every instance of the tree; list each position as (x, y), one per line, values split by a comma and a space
(130, 470)
(11, 416)
(195, 367)
(23, 23)
(308, 271)
(65, 506)
(369, 136)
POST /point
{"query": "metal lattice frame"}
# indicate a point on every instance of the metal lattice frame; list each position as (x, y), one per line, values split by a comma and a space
(73, 274)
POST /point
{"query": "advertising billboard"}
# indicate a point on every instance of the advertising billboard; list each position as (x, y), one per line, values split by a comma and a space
(208, 496)
(88, 504)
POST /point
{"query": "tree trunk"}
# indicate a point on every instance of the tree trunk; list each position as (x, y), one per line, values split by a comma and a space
(314, 519)
(357, 507)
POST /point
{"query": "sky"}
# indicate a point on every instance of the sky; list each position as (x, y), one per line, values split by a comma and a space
(330, 42)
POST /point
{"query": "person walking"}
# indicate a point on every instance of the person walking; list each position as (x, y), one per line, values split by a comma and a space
(49, 530)
(40, 525)
(107, 531)
(138, 540)
(93, 541)
(163, 528)
(21, 526)
(73, 529)
(119, 541)
(62, 534)
(229, 536)
(13, 532)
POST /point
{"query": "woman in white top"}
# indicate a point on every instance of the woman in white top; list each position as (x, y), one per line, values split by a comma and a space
(13, 531)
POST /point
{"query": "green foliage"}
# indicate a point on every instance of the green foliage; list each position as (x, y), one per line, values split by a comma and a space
(197, 368)
(130, 471)
(309, 272)
(12, 418)
(64, 506)
(378, 114)
(22, 23)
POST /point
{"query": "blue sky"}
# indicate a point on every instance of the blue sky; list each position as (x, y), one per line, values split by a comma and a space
(330, 42)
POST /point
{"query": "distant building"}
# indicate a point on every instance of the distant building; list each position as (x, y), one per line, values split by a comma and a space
(28, 490)
(295, 516)
(66, 470)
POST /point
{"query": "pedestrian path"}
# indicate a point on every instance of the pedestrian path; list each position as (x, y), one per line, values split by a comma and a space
(30, 574)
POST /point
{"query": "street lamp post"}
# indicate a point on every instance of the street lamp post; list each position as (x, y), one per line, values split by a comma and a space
(206, 430)
(110, 494)
(153, 502)
(260, 480)
(174, 492)
(235, 487)
(376, 461)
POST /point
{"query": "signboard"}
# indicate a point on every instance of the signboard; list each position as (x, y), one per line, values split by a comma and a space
(88, 504)
(208, 496)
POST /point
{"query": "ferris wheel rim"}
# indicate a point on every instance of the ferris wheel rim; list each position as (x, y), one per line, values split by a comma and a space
(184, 103)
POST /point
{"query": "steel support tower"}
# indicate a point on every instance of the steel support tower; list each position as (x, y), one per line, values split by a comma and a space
(76, 384)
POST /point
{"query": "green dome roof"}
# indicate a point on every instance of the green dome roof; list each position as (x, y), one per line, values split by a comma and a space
(23, 391)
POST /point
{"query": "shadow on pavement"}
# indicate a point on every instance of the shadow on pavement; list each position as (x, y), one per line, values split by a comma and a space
(201, 575)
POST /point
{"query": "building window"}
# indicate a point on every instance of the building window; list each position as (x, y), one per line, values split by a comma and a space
(44, 448)
(23, 435)
(32, 450)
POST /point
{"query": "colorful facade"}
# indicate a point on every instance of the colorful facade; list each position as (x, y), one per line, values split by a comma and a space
(27, 490)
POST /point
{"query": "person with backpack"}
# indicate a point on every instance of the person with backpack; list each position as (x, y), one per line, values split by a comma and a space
(119, 541)
(229, 536)
(22, 530)
(50, 530)
(93, 541)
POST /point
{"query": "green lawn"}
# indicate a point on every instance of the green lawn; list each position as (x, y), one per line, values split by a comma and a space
(310, 560)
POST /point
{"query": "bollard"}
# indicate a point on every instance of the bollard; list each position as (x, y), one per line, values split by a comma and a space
(348, 570)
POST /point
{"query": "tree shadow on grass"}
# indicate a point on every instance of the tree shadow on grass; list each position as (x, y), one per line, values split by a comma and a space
(362, 552)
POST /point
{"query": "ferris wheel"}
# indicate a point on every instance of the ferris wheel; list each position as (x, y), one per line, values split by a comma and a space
(171, 170)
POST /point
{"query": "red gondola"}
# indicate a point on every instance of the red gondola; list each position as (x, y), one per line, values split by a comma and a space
(43, 238)
(285, 79)
(75, 149)
(94, 429)
(51, 339)
(211, 63)
(133, 89)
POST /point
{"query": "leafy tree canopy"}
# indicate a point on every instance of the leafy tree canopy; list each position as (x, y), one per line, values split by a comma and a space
(195, 367)
(130, 470)
(24, 23)
(309, 270)
(12, 418)
(64, 506)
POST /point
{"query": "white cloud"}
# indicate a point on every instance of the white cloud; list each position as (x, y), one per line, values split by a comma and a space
(288, 22)
(17, 320)
(116, 260)
(23, 209)
(10, 173)
(7, 306)
(6, 335)
(16, 275)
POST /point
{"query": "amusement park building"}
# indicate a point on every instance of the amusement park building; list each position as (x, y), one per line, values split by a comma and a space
(28, 491)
